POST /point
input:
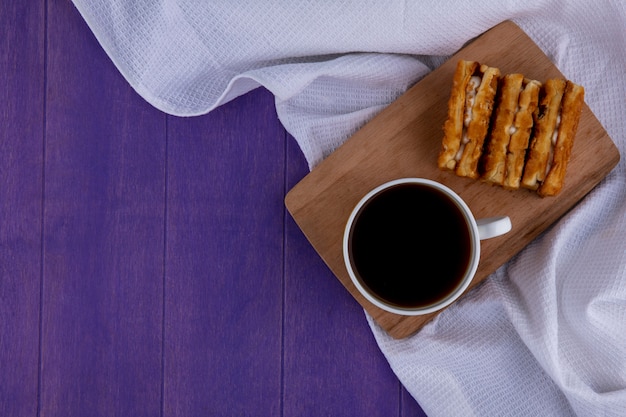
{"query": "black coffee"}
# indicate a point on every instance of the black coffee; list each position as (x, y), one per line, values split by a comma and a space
(410, 245)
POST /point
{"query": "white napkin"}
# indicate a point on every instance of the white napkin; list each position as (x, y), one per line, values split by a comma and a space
(546, 334)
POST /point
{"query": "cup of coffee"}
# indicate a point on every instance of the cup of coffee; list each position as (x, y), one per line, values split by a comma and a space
(411, 246)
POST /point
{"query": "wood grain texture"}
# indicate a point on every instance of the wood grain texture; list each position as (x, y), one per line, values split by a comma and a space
(223, 312)
(404, 141)
(173, 282)
(103, 233)
(21, 144)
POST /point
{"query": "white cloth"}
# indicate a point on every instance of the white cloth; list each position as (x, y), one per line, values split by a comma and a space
(546, 334)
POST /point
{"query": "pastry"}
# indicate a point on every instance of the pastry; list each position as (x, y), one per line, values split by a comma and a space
(521, 131)
(555, 128)
(510, 131)
(504, 157)
(469, 112)
(571, 107)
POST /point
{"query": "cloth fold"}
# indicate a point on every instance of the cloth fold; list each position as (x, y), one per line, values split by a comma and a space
(546, 334)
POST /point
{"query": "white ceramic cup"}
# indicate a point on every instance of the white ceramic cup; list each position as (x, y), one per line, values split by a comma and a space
(419, 277)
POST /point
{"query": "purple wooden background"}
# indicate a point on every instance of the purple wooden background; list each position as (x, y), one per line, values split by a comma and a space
(147, 264)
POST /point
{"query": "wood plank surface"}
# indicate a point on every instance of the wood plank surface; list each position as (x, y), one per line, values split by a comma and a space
(103, 233)
(21, 142)
(404, 140)
(223, 311)
(147, 262)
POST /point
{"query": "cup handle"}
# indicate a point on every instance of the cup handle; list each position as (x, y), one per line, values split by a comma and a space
(493, 226)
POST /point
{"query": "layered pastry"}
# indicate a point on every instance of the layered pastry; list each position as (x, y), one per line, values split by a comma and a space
(510, 131)
(555, 128)
(470, 106)
(516, 107)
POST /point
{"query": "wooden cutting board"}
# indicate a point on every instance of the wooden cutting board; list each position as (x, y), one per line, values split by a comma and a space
(404, 141)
